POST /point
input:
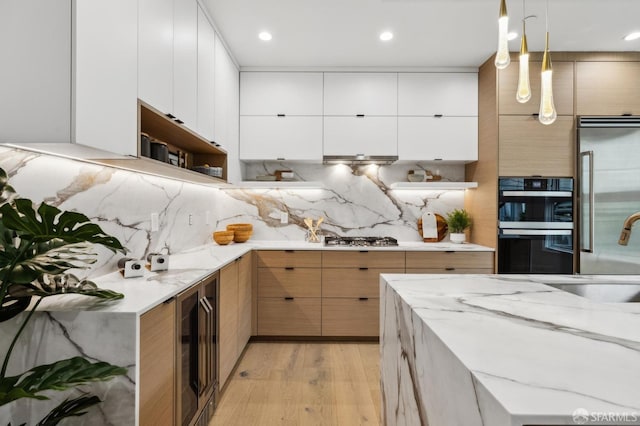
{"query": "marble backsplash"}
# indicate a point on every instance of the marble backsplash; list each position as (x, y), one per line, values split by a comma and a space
(352, 201)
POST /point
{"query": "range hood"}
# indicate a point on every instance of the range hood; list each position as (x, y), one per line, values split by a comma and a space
(359, 159)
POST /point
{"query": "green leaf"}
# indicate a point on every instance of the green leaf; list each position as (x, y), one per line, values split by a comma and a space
(69, 408)
(6, 191)
(60, 375)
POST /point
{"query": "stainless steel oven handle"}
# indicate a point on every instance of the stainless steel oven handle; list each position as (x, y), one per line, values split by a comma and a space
(564, 194)
(535, 225)
(536, 232)
(591, 197)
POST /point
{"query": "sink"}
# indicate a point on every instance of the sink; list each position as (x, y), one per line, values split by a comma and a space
(604, 292)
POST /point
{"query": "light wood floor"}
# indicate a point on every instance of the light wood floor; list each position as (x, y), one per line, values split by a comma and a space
(303, 384)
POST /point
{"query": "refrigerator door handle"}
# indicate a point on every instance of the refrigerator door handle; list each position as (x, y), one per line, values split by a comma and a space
(587, 156)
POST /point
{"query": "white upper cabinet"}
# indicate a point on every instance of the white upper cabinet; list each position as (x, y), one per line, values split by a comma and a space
(360, 135)
(35, 83)
(155, 53)
(438, 138)
(351, 94)
(185, 61)
(277, 93)
(206, 77)
(281, 138)
(429, 94)
(226, 92)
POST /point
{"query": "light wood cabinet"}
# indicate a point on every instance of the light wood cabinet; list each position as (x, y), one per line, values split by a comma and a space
(449, 260)
(607, 88)
(349, 94)
(234, 314)
(363, 259)
(429, 94)
(351, 316)
(289, 290)
(563, 75)
(157, 365)
(529, 148)
(354, 282)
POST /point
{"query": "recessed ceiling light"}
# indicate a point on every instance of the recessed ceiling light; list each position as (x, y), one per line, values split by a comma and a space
(512, 35)
(265, 36)
(632, 36)
(386, 36)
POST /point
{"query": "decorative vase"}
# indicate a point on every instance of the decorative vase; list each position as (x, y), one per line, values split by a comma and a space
(457, 237)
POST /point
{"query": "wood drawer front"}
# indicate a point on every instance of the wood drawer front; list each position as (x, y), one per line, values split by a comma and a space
(289, 258)
(292, 282)
(297, 317)
(363, 259)
(350, 317)
(450, 271)
(449, 259)
(351, 282)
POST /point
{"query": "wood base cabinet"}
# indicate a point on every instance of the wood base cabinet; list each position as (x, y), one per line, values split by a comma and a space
(453, 262)
(350, 316)
(289, 316)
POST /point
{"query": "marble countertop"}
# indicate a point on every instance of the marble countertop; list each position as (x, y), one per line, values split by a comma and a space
(535, 353)
(186, 268)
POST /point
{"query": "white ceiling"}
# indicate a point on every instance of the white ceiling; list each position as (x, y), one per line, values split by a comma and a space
(427, 33)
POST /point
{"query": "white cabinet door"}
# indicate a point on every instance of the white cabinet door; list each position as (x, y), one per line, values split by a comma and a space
(206, 70)
(185, 61)
(431, 138)
(428, 94)
(106, 79)
(35, 83)
(273, 93)
(360, 135)
(271, 138)
(155, 53)
(360, 93)
(226, 93)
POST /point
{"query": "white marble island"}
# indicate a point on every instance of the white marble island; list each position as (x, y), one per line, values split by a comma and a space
(506, 350)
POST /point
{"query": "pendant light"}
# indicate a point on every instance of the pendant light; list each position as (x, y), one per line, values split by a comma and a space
(547, 114)
(502, 55)
(523, 94)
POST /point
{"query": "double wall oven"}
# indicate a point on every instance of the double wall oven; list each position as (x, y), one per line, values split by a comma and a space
(535, 229)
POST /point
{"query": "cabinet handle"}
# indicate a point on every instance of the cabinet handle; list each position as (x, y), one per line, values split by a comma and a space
(449, 269)
(437, 159)
(360, 115)
(281, 159)
(449, 251)
(289, 251)
(437, 115)
(288, 298)
(364, 269)
(171, 116)
(281, 115)
(364, 251)
(289, 268)
(535, 114)
(363, 298)
(626, 114)
(177, 120)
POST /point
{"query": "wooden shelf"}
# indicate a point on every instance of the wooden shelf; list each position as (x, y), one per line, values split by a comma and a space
(178, 137)
(434, 185)
(158, 168)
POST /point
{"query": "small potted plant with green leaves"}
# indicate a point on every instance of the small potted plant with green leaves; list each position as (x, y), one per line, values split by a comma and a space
(458, 220)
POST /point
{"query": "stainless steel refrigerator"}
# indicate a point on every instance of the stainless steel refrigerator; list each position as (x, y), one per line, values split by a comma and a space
(609, 191)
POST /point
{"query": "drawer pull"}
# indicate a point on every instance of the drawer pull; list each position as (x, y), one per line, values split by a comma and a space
(289, 268)
(288, 298)
(363, 298)
(281, 115)
(364, 269)
(449, 269)
(289, 251)
(364, 251)
(449, 251)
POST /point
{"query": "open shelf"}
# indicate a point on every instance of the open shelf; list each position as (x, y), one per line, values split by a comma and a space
(179, 138)
(434, 185)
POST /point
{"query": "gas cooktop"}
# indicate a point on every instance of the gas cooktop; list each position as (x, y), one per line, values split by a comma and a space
(361, 241)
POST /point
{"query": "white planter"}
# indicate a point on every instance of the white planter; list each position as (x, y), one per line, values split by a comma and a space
(457, 238)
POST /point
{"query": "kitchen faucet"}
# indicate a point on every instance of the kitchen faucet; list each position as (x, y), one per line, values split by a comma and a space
(626, 228)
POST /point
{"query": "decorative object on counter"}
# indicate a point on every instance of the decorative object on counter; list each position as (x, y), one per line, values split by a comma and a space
(458, 220)
(266, 178)
(439, 225)
(436, 176)
(223, 237)
(284, 175)
(157, 262)
(313, 234)
(241, 231)
(416, 176)
(131, 268)
(38, 246)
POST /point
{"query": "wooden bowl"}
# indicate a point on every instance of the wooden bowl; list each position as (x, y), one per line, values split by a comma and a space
(240, 227)
(241, 236)
(223, 237)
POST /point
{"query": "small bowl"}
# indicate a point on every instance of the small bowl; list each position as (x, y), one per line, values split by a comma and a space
(223, 237)
(241, 236)
(240, 227)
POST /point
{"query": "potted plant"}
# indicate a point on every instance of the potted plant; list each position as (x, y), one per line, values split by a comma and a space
(458, 220)
(38, 245)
